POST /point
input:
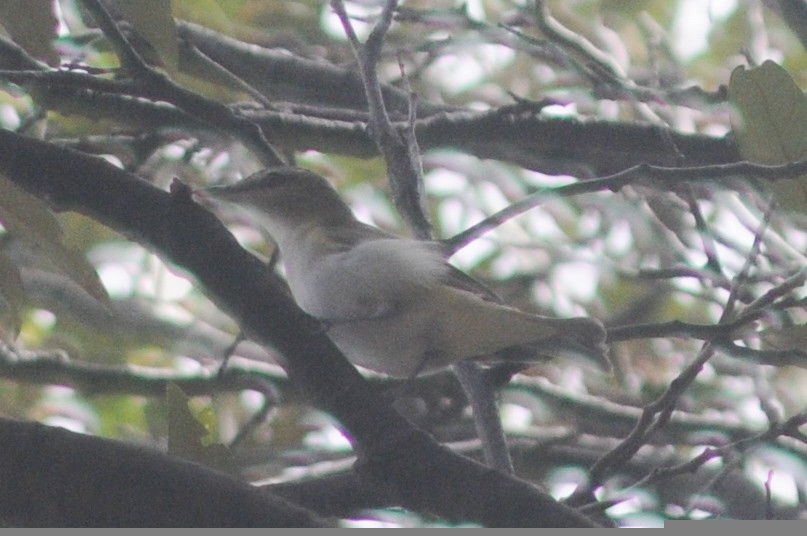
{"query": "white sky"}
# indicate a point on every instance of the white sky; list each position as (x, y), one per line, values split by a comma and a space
(690, 32)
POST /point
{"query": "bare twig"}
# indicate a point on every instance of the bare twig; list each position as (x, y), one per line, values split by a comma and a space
(48, 368)
(709, 249)
(590, 55)
(792, 283)
(676, 328)
(726, 451)
(402, 156)
(617, 181)
(212, 112)
(750, 260)
(129, 57)
(399, 154)
(657, 414)
(235, 80)
(592, 63)
(654, 416)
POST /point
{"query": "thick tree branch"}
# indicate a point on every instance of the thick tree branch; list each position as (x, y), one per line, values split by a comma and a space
(284, 77)
(553, 146)
(392, 453)
(48, 368)
(205, 109)
(52, 477)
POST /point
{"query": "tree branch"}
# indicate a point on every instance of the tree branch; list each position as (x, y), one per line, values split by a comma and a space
(52, 477)
(422, 475)
(208, 110)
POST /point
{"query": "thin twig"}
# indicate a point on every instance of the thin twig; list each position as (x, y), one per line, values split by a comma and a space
(215, 113)
(750, 260)
(657, 414)
(578, 44)
(401, 156)
(676, 328)
(240, 83)
(792, 283)
(129, 57)
(709, 249)
(617, 181)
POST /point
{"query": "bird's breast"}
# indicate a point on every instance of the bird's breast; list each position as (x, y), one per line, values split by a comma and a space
(398, 345)
(364, 282)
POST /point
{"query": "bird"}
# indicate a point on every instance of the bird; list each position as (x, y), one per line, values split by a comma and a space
(392, 304)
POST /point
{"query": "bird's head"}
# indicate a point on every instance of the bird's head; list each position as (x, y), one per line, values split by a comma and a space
(285, 196)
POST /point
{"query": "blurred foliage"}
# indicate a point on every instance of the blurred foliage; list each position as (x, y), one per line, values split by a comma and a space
(636, 256)
(771, 118)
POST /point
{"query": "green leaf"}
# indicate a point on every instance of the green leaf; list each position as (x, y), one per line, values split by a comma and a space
(784, 338)
(153, 21)
(12, 292)
(29, 219)
(213, 14)
(32, 25)
(771, 125)
(187, 434)
(26, 216)
(75, 265)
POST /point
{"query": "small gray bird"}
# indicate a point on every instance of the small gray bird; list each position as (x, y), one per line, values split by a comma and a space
(391, 304)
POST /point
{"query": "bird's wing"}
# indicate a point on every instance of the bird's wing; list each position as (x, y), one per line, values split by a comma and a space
(369, 280)
(581, 337)
(473, 327)
(460, 280)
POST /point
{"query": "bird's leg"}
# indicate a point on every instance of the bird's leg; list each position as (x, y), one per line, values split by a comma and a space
(406, 388)
(481, 393)
(228, 352)
(324, 326)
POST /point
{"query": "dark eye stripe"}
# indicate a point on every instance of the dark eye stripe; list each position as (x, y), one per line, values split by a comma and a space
(272, 177)
(275, 178)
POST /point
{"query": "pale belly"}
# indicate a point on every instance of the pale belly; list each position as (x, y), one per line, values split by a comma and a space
(399, 346)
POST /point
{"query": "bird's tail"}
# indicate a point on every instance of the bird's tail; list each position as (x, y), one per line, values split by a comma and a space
(579, 339)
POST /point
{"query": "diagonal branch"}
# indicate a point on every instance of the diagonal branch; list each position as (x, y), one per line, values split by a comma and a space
(403, 161)
(619, 180)
(212, 112)
(424, 476)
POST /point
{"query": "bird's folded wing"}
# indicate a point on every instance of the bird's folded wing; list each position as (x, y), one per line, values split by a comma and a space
(471, 326)
(578, 339)
(367, 281)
